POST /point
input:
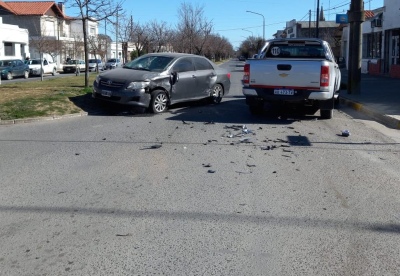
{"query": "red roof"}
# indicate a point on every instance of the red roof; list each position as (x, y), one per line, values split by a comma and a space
(31, 8)
(369, 14)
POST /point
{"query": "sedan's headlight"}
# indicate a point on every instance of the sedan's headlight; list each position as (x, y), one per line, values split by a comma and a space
(138, 85)
(97, 79)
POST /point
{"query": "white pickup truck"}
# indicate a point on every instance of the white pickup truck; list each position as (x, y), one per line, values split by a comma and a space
(299, 72)
(37, 66)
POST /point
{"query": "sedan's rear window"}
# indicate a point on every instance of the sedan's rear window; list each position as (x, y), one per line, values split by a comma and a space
(202, 64)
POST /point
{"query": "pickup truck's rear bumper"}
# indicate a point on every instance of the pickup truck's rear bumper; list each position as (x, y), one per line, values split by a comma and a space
(298, 96)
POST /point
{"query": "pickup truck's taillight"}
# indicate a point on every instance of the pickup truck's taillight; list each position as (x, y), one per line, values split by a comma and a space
(246, 75)
(324, 76)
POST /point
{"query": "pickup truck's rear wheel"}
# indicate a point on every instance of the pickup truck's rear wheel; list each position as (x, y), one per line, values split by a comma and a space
(256, 109)
(326, 113)
(326, 108)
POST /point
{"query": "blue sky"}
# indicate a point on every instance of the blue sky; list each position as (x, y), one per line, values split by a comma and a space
(229, 17)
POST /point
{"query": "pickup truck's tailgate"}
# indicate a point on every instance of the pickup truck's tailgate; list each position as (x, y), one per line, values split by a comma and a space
(292, 73)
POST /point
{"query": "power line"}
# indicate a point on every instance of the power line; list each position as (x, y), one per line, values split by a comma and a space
(250, 27)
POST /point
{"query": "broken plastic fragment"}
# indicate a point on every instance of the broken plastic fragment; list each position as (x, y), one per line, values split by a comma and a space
(345, 133)
(245, 140)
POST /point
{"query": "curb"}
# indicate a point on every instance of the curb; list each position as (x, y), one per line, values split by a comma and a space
(389, 121)
(38, 119)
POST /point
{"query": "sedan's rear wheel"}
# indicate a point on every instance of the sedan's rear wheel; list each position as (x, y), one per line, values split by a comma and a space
(159, 101)
(217, 93)
(26, 74)
(9, 76)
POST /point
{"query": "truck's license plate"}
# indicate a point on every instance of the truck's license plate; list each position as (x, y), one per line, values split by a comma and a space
(106, 93)
(284, 92)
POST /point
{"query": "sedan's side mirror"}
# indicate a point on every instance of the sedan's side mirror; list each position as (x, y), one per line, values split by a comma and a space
(174, 77)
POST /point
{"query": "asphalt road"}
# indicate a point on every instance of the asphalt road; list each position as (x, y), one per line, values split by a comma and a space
(188, 193)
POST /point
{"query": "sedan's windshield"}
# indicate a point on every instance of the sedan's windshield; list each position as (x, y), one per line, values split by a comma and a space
(150, 63)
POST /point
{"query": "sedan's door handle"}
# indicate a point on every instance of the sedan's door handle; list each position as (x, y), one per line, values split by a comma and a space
(194, 76)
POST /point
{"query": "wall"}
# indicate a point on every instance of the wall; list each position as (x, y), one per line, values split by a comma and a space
(15, 35)
(391, 15)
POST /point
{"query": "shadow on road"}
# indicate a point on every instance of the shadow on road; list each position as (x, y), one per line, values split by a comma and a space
(233, 110)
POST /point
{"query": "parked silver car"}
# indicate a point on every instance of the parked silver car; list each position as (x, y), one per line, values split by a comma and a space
(95, 64)
(157, 80)
(113, 63)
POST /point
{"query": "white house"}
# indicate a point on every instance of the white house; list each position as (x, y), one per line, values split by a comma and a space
(46, 20)
(13, 41)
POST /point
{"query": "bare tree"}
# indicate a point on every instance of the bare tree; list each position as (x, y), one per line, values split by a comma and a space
(160, 34)
(98, 46)
(53, 48)
(94, 10)
(44, 44)
(125, 34)
(217, 48)
(193, 27)
(103, 42)
(140, 38)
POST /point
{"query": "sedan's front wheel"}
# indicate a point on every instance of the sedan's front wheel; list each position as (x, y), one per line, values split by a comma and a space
(9, 76)
(159, 101)
(217, 93)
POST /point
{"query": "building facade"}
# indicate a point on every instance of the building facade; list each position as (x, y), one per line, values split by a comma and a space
(327, 30)
(380, 41)
(51, 32)
(13, 41)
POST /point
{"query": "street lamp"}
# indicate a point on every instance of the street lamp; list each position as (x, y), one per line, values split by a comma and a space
(249, 31)
(263, 23)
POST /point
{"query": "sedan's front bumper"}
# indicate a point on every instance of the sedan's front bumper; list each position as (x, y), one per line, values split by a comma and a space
(136, 98)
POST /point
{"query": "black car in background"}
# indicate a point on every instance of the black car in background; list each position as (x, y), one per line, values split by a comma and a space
(155, 81)
(10, 68)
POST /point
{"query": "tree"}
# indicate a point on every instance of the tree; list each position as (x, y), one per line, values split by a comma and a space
(140, 38)
(193, 28)
(160, 35)
(94, 10)
(98, 46)
(44, 44)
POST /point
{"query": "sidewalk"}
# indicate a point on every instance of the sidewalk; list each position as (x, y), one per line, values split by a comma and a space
(379, 98)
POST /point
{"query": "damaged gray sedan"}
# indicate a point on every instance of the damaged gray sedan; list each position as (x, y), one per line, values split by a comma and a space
(155, 81)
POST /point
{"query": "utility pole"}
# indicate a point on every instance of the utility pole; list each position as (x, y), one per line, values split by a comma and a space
(317, 25)
(356, 16)
(309, 23)
(116, 41)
